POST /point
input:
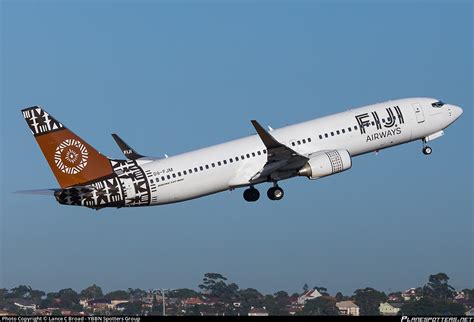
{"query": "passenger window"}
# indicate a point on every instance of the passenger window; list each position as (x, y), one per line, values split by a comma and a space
(185, 173)
(248, 156)
(350, 129)
(174, 175)
(293, 143)
(320, 137)
(213, 165)
(253, 154)
(207, 166)
(151, 181)
(168, 176)
(343, 131)
(309, 139)
(242, 157)
(337, 132)
(163, 178)
(231, 160)
(355, 127)
(195, 169)
(332, 133)
(179, 174)
(157, 180)
(264, 151)
(326, 135)
(299, 142)
(190, 171)
(373, 123)
(225, 161)
(219, 163)
(201, 168)
(258, 152)
(236, 158)
(304, 141)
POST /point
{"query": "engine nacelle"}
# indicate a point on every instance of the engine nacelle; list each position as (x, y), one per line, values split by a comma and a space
(325, 163)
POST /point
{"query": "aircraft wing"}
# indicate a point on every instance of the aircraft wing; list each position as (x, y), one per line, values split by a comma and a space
(282, 161)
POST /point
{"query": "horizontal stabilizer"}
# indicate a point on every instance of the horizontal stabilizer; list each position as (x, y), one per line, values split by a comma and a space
(128, 151)
(43, 192)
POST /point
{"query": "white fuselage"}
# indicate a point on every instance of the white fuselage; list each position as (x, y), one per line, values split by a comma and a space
(210, 170)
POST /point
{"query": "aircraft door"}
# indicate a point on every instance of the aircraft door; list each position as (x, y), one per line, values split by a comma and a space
(420, 117)
(128, 188)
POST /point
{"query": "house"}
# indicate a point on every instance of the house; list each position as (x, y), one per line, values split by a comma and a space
(348, 308)
(468, 303)
(25, 304)
(99, 304)
(394, 297)
(6, 313)
(460, 295)
(114, 303)
(310, 295)
(193, 301)
(409, 294)
(389, 308)
(255, 311)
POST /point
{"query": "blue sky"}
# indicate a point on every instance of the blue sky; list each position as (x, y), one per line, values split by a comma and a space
(170, 77)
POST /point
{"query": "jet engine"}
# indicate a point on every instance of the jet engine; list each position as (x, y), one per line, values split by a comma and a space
(325, 163)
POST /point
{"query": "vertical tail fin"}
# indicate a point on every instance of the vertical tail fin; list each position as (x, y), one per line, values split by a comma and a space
(72, 160)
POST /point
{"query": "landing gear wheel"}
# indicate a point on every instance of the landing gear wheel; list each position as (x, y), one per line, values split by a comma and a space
(275, 193)
(251, 194)
(427, 150)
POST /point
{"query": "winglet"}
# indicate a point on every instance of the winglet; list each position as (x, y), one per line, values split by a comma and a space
(129, 153)
(266, 137)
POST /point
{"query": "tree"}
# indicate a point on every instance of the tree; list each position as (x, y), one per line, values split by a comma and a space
(21, 291)
(212, 282)
(214, 285)
(305, 287)
(68, 298)
(432, 306)
(117, 295)
(438, 287)
(133, 308)
(369, 299)
(277, 304)
(3, 293)
(339, 297)
(136, 293)
(92, 292)
(183, 293)
(36, 295)
(322, 305)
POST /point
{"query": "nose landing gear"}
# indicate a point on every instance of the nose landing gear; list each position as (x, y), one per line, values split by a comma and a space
(426, 149)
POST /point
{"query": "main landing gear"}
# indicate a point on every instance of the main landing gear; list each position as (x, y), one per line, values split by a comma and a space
(251, 194)
(274, 193)
(426, 149)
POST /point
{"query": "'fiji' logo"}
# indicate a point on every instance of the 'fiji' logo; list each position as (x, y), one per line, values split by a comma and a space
(366, 119)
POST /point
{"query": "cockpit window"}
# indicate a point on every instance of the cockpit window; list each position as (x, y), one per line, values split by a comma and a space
(438, 104)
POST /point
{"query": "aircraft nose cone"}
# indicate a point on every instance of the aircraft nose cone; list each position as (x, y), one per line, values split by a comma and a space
(457, 111)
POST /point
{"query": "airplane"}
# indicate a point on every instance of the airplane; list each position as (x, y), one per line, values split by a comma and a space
(314, 149)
